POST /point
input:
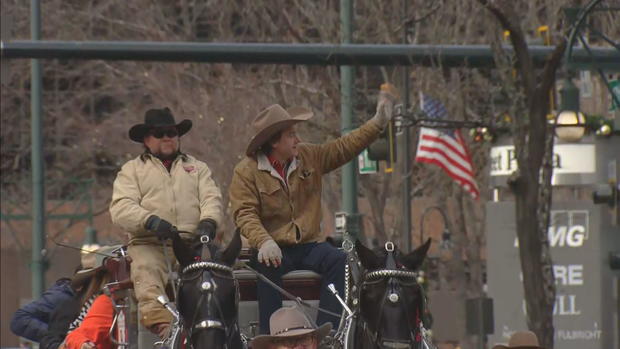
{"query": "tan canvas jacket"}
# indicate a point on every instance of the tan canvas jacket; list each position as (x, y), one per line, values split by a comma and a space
(264, 207)
(184, 196)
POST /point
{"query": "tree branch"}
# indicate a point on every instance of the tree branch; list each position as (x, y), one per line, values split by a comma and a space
(551, 67)
(526, 69)
(292, 29)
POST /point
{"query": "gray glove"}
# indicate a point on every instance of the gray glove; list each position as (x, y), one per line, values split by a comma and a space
(385, 105)
(270, 254)
(385, 108)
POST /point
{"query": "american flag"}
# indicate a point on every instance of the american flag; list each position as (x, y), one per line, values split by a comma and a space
(445, 148)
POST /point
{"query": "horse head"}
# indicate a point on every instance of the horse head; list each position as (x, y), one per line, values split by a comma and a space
(391, 300)
(208, 297)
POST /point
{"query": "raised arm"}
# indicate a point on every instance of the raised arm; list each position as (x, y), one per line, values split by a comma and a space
(338, 152)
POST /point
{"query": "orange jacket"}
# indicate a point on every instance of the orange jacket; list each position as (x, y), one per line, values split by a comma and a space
(95, 327)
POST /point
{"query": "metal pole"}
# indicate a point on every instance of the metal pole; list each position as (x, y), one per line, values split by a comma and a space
(474, 56)
(38, 189)
(91, 232)
(349, 171)
(91, 235)
(480, 323)
(406, 143)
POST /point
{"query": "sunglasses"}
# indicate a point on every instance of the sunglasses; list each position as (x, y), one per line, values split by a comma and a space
(161, 132)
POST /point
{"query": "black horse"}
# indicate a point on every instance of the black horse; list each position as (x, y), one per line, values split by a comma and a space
(391, 302)
(208, 296)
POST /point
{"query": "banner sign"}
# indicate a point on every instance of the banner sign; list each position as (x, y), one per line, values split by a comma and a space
(567, 158)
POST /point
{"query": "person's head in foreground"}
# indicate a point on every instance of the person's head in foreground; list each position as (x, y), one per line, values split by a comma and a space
(521, 340)
(289, 329)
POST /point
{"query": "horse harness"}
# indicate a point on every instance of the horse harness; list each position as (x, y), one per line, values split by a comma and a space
(206, 291)
(393, 274)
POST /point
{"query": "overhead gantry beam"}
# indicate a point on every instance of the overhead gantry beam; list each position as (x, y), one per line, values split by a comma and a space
(475, 56)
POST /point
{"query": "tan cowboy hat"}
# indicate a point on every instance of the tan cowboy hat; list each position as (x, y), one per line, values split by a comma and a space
(521, 340)
(288, 322)
(272, 120)
(91, 258)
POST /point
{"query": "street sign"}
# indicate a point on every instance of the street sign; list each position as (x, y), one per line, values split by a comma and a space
(615, 88)
(365, 164)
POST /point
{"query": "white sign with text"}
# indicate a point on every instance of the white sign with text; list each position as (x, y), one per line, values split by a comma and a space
(567, 158)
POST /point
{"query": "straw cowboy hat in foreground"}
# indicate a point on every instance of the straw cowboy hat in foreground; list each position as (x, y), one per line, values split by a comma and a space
(521, 340)
(289, 324)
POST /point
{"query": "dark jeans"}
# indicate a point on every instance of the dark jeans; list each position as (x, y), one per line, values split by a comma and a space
(322, 258)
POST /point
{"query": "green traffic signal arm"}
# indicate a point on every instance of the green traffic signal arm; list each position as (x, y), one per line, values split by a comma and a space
(281, 53)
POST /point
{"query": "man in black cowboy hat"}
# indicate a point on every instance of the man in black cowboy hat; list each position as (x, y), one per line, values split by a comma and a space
(161, 189)
(275, 196)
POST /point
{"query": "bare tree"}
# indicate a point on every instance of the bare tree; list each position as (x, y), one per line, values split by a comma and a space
(531, 183)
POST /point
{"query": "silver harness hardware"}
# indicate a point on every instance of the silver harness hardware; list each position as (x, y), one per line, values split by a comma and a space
(207, 265)
(209, 324)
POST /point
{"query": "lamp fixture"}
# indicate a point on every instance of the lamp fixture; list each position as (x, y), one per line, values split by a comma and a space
(570, 122)
(570, 126)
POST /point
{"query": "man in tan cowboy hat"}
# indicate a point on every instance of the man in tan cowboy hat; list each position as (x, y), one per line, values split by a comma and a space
(289, 329)
(521, 340)
(276, 201)
(152, 193)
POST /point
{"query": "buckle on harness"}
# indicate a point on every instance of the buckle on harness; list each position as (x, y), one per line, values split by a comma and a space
(204, 239)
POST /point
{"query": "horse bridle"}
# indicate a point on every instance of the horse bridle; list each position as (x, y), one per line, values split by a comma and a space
(206, 291)
(393, 274)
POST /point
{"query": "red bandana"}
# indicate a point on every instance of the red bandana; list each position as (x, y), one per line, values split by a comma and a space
(167, 164)
(278, 166)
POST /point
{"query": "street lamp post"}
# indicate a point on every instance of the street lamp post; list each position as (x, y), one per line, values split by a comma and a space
(445, 236)
(445, 243)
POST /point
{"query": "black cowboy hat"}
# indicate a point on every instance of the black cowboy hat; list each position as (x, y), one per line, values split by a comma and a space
(158, 118)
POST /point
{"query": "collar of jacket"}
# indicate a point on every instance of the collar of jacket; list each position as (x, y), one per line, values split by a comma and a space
(263, 164)
(180, 158)
(148, 155)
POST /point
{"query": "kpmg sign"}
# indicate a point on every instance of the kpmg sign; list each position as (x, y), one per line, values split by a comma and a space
(581, 317)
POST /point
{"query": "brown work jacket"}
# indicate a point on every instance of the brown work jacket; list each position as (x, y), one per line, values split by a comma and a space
(265, 206)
